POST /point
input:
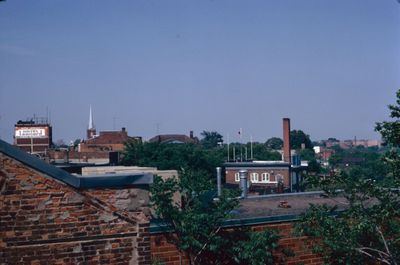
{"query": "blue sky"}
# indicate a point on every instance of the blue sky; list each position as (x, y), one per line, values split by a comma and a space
(174, 66)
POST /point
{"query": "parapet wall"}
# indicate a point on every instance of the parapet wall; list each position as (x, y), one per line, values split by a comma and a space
(167, 253)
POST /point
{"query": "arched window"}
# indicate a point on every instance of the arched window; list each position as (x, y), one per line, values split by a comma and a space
(254, 177)
(265, 177)
(237, 177)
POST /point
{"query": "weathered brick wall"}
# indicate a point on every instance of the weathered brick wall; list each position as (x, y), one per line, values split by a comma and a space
(129, 199)
(274, 172)
(44, 221)
(165, 252)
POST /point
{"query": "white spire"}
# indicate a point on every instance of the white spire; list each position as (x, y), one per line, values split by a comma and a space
(90, 118)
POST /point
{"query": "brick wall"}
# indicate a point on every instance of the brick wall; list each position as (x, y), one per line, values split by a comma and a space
(45, 221)
(274, 172)
(166, 252)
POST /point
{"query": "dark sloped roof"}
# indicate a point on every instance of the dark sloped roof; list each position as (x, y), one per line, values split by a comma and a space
(172, 138)
(102, 181)
(109, 137)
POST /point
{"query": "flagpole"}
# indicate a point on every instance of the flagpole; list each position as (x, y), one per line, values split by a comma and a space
(241, 144)
(228, 145)
(251, 147)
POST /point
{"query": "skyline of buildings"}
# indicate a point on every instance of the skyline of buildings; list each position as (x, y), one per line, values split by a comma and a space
(232, 138)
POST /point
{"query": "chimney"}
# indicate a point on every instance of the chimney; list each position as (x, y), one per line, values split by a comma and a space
(191, 134)
(286, 140)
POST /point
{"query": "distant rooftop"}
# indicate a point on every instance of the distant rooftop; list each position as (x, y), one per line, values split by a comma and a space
(77, 181)
(34, 121)
(173, 138)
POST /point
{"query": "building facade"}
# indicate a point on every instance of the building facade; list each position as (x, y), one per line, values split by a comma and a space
(48, 216)
(34, 135)
(270, 176)
(107, 141)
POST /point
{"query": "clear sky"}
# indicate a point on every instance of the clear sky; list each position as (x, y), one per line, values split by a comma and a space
(175, 66)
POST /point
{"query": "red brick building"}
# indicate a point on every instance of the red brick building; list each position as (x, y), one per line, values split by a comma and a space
(107, 141)
(264, 176)
(261, 174)
(48, 216)
(34, 135)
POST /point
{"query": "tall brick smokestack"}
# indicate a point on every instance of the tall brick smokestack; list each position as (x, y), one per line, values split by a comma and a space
(286, 140)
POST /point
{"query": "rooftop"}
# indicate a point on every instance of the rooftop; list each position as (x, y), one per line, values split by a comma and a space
(296, 204)
(255, 210)
(77, 181)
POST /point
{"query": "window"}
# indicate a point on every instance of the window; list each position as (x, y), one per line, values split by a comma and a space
(237, 177)
(254, 177)
(265, 177)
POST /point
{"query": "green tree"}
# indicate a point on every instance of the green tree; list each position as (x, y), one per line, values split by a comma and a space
(173, 156)
(211, 139)
(298, 137)
(274, 143)
(367, 230)
(260, 152)
(195, 227)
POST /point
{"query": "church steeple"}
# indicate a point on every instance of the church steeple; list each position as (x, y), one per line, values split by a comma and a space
(90, 118)
(91, 131)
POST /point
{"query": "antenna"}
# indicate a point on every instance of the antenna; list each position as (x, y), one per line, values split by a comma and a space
(47, 114)
(241, 144)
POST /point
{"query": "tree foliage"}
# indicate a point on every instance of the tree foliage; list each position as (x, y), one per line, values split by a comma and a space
(298, 137)
(211, 139)
(260, 152)
(274, 143)
(173, 156)
(367, 230)
(195, 226)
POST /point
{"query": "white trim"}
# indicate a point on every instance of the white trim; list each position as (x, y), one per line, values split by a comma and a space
(237, 177)
(265, 177)
(254, 177)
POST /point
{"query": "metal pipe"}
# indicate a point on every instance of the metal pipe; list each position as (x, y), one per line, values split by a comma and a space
(219, 190)
(243, 182)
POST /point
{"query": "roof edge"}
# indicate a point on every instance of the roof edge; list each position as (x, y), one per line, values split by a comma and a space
(100, 181)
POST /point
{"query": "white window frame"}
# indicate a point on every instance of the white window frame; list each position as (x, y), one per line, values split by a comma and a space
(237, 177)
(254, 177)
(265, 177)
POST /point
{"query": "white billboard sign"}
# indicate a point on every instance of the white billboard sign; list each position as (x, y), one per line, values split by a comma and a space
(30, 133)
